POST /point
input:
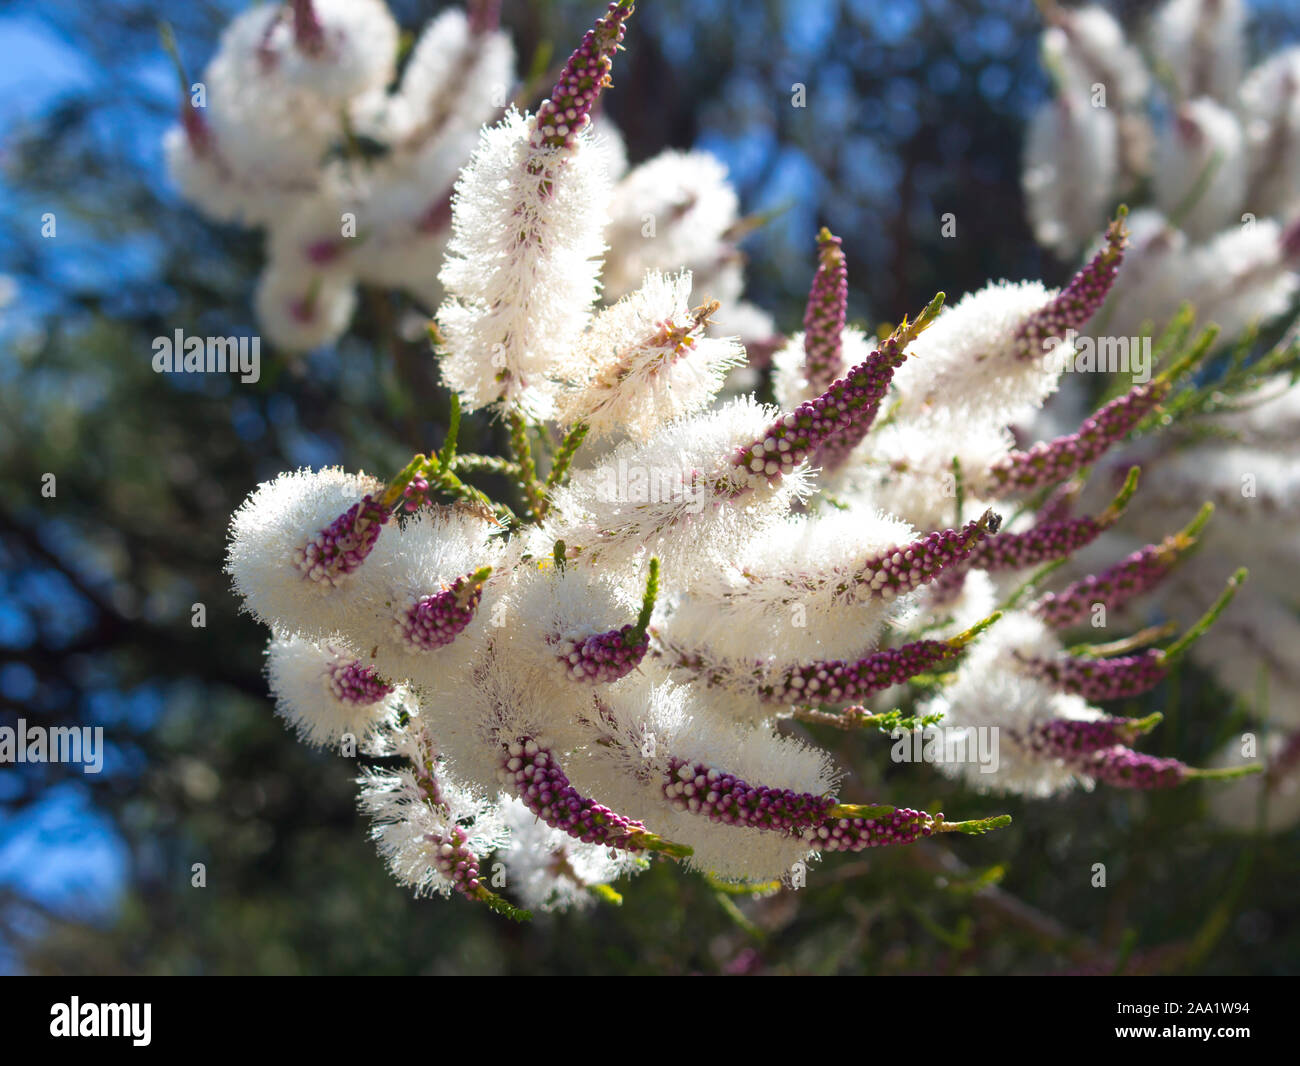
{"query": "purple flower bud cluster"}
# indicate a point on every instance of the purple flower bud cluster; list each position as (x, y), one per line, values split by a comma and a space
(1125, 768)
(455, 861)
(416, 493)
(1073, 740)
(353, 682)
(849, 406)
(903, 826)
(1113, 587)
(344, 544)
(435, 621)
(1100, 679)
(725, 798)
(1041, 543)
(568, 109)
(1049, 462)
(604, 657)
(836, 681)
(530, 769)
(1078, 301)
(900, 570)
(823, 320)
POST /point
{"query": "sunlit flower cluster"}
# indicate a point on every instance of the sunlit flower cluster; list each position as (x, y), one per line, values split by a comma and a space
(624, 667)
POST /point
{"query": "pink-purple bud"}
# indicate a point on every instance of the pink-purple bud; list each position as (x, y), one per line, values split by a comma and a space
(1050, 462)
(903, 826)
(435, 621)
(604, 657)
(722, 797)
(353, 682)
(343, 545)
(1099, 679)
(900, 570)
(1078, 301)
(1042, 543)
(1112, 588)
(562, 116)
(836, 681)
(823, 320)
(849, 406)
(531, 771)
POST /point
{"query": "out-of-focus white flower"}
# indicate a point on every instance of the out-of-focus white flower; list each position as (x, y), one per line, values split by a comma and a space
(303, 310)
(1201, 44)
(669, 213)
(1270, 111)
(1269, 801)
(1201, 168)
(1070, 169)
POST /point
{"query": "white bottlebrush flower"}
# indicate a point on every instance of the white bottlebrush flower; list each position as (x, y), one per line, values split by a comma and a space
(268, 129)
(1070, 170)
(971, 363)
(1247, 274)
(300, 310)
(797, 591)
(1201, 168)
(989, 694)
(647, 361)
(325, 690)
(669, 213)
(271, 536)
(334, 49)
(550, 871)
(1202, 45)
(432, 830)
(676, 495)
(427, 595)
(522, 263)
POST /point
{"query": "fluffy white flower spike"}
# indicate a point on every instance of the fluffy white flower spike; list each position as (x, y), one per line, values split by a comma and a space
(523, 263)
(647, 361)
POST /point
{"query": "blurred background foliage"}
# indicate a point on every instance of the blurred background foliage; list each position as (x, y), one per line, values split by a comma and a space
(914, 108)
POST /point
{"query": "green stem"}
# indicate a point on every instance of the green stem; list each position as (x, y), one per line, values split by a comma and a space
(523, 455)
(1176, 649)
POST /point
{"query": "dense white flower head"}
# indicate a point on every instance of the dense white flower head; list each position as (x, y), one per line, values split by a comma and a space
(1270, 112)
(325, 691)
(1089, 48)
(610, 664)
(550, 871)
(267, 535)
(971, 364)
(334, 49)
(989, 693)
(522, 265)
(646, 361)
(676, 495)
